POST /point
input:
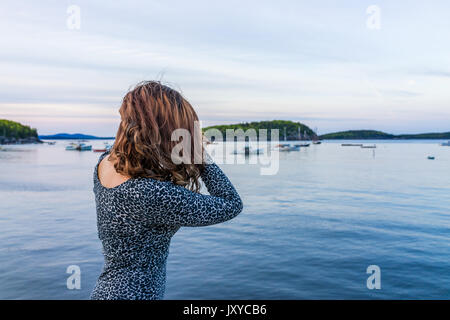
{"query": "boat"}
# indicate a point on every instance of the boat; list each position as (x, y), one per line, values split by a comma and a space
(247, 150)
(286, 147)
(78, 147)
(84, 147)
(72, 146)
(304, 136)
(289, 148)
(446, 144)
(282, 145)
(369, 147)
(51, 143)
(316, 139)
(106, 148)
(431, 158)
(351, 145)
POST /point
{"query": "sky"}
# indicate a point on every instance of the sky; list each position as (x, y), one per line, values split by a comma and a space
(332, 65)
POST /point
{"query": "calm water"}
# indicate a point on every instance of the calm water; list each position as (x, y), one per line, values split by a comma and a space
(308, 232)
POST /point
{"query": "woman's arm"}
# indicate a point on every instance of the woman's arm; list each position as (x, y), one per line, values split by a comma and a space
(171, 204)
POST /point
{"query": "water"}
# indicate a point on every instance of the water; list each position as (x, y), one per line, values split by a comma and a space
(309, 232)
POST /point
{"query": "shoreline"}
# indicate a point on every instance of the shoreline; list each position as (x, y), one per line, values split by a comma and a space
(18, 141)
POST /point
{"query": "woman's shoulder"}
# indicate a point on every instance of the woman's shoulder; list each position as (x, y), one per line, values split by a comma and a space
(103, 156)
(105, 176)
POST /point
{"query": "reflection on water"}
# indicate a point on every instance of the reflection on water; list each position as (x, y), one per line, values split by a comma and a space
(309, 231)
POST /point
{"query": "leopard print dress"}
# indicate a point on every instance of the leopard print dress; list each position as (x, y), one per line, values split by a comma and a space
(136, 221)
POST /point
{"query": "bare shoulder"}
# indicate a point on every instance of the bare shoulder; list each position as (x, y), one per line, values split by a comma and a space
(107, 174)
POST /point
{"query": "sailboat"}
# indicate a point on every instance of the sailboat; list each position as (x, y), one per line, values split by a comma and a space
(300, 138)
(316, 137)
(286, 146)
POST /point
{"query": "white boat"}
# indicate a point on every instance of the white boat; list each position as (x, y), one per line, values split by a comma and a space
(84, 147)
(78, 147)
(72, 146)
(286, 147)
(446, 144)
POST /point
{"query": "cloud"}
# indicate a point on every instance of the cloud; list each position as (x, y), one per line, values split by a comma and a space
(399, 93)
(233, 60)
(435, 73)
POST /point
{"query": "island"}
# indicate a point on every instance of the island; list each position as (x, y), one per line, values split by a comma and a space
(379, 135)
(288, 130)
(73, 136)
(12, 132)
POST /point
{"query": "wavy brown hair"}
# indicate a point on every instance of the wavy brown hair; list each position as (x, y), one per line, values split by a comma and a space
(149, 115)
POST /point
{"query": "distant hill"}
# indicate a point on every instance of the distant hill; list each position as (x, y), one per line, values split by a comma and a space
(73, 136)
(443, 135)
(292, 128)
(357, 134)
(12, 132)
(372, 134)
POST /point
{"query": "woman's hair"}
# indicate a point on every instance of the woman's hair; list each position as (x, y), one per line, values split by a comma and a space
(143, 147)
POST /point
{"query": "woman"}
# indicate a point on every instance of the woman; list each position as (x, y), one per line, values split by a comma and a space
(143, 197)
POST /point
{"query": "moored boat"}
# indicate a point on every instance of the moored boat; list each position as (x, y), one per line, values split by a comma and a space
(78, 147)
(106, 148)
(84, 147)
(286, 147)
(352, 145)
(247, 150)
(302, 145)
(72, 146)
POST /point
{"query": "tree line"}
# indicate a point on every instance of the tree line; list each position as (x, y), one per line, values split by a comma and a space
(12, 129)
(293, 129)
